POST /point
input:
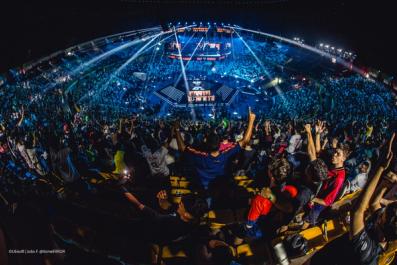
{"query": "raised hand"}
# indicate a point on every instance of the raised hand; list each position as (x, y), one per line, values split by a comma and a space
(176, 125)
(388, 154)
(162, 195)
(267, 124)
(320, 127)
(308, 128)
(334, 142)
(163, 200)
(251, 115)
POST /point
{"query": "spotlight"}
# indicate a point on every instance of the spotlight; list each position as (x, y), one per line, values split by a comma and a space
(321, 44)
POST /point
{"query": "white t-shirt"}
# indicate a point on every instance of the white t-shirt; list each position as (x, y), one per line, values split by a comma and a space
(294, 143)
(157, 160)
(359, 181)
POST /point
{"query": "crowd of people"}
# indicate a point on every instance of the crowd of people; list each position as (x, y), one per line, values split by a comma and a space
(62, 148)
(298, 168)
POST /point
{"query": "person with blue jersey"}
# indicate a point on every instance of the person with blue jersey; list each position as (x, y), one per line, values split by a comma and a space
(212, 164)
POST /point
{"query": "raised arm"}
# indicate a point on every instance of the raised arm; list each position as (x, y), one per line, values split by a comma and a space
(248, 132)
(324, 144)
(311, 149)
(179, 140)
(22, 117)
(380, 191)
(267, 128)
(131, 198)
(34, 139)
(357, 223)
(120, 125)
(319, 128)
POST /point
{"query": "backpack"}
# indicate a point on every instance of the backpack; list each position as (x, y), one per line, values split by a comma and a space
(296, 245)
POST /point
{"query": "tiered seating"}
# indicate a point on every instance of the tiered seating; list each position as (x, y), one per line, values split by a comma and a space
(173, 93)
(328, 230)
(216, 219)
(246, 182)
(224, 91)
(317, 236)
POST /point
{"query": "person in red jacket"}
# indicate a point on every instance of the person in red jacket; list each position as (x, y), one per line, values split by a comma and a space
(262, 203)
(332, 185)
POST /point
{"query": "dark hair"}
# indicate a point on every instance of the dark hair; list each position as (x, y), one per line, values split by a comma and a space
(280, 168)
(318, 170)
(222, 255)
(226, 136)
(345, 149)
(152, 143)
(390, 227)
(195, 205)
(365, 163)
(213, 142)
